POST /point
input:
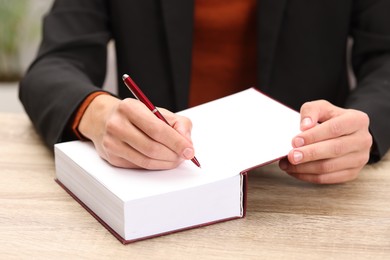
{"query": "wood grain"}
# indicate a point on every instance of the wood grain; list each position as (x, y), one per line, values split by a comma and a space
(286, 218)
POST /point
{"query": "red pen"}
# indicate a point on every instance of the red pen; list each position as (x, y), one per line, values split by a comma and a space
(136, 91)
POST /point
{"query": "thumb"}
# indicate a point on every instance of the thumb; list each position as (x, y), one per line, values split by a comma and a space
(315, 112)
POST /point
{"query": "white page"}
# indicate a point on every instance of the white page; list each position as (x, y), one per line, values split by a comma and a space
(242, 131)
(230, 135)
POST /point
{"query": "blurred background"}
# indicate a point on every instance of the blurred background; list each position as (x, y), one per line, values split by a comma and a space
(20, 35)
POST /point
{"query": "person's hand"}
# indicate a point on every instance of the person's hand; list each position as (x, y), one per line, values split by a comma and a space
(333, 146)
(127, 134)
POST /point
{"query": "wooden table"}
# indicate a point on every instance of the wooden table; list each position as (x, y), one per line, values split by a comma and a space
(286, 218)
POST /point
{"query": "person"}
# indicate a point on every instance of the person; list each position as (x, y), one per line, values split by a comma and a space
(184, 53)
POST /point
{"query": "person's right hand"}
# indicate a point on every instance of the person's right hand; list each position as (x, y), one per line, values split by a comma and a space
(127, 134)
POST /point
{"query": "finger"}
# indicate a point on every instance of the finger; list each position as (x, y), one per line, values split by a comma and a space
(158, 130)
(169, 137)
(145, 145)
(344, 124)
(316, 111)
(332, 148)
(120, 129)
(121, 154)
(349, 161)
(145, 162)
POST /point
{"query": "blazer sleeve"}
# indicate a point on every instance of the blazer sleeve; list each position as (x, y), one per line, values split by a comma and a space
(70, 65)
(371, 64)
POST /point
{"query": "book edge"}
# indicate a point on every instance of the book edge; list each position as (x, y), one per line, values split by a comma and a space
(244, 174)
(124, 241)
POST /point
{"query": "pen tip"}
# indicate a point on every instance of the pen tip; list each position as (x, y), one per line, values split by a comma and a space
(125, 76)
(196, 162)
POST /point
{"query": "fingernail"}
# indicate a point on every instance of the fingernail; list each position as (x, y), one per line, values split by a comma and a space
(306, 122)
(298, 156)
(188, 153)
(299, 141)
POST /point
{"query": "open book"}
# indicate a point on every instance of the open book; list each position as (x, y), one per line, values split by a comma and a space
(231, 135)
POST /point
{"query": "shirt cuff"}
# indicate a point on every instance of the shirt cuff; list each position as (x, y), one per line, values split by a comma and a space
(80, 112)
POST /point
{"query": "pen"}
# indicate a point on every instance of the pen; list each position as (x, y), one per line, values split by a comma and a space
(136, 91)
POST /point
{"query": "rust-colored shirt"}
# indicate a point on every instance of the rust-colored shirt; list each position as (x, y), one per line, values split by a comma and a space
(224, 49)
(223, 56)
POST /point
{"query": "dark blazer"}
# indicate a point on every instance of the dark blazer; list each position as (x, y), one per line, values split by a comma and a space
(302, 56)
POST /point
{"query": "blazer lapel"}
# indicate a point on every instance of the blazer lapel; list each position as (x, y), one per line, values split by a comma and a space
(178, 23)
(270, 17)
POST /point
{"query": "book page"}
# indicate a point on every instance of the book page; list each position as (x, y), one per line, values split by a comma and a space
(230, 135)
(241, 131)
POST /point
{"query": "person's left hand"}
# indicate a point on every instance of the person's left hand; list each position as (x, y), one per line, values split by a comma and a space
(333, 146)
